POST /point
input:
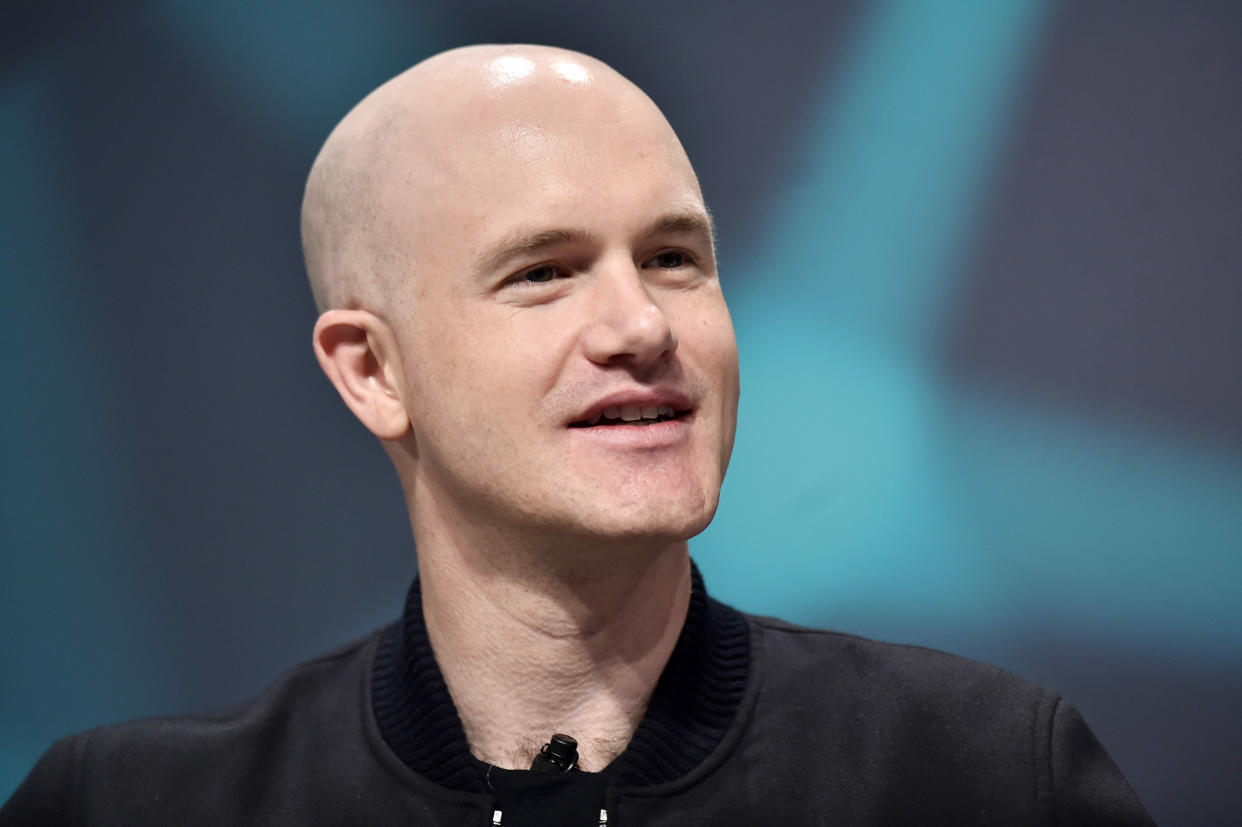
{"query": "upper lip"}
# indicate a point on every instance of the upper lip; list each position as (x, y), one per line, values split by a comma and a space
(639, 398)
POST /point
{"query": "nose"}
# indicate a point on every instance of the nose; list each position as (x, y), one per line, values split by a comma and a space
(628, 328)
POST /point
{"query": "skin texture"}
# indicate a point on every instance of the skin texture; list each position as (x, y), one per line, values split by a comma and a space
(504, 241)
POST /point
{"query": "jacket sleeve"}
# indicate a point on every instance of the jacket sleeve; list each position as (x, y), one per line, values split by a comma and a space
(46, 796)
(1086, 787)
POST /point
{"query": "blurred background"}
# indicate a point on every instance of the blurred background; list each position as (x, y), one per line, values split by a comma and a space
(984, 260)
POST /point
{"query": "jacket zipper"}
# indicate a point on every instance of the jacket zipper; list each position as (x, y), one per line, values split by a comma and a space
(497, 815)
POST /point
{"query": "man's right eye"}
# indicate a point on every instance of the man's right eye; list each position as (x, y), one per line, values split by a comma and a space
(542, 274)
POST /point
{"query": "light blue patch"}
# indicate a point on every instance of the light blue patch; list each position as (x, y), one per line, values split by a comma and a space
(297, 70)
(68, 484)
(868, 494)
(892, 171)
(1111, 529)
(834, 497)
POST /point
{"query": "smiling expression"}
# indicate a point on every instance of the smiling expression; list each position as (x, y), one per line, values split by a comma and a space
(568, 363)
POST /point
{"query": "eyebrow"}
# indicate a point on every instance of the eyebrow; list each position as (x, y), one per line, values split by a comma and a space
(521, 244)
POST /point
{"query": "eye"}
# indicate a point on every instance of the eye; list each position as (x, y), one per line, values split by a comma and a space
(671, 260)
(539, 275)
(542, 274)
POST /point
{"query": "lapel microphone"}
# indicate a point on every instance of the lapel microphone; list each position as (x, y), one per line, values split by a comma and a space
(558, 756)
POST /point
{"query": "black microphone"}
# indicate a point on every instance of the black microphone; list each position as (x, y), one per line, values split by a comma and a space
(560, 755)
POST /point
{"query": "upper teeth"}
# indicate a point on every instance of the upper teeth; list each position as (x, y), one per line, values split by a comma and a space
(633, 413)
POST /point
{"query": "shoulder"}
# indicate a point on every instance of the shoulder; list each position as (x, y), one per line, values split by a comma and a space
(921, 700)
(919, 725)
(790, 652)
(327, 686)
(185, 766)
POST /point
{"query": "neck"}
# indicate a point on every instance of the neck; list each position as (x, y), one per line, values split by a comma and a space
(527, 652)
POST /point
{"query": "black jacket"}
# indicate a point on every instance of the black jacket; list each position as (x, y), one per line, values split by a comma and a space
(754, 722)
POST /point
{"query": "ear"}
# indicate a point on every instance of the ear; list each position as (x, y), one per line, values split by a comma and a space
(357, 351)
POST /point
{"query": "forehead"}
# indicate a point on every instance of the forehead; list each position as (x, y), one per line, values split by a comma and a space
(580, 165)
(527, 160)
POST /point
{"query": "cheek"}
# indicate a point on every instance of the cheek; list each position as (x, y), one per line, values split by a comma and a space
(529, 348)
(446, 374)
(716, 355)
(716, 348)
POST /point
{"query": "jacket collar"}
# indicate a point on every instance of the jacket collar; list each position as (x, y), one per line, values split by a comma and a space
(693, 704)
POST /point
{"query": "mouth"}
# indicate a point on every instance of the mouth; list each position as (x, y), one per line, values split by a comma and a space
(630, 416)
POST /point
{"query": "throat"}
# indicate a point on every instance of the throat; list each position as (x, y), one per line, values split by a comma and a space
(598, 744)
(534, 691)
(573, 660)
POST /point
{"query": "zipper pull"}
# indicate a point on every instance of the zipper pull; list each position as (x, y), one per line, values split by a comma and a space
(496, 818)
(603, 818)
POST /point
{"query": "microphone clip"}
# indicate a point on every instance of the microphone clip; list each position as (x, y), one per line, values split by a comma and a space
(558, 756)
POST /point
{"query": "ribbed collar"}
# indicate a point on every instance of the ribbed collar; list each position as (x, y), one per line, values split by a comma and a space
(693, 705)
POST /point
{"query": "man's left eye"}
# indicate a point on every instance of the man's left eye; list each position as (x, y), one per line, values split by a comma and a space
(671, 260)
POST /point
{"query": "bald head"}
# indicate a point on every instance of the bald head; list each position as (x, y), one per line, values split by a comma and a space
(502, 239)
(434, 134)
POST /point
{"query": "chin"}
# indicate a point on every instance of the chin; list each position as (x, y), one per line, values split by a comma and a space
(654, 506)
(661, 520)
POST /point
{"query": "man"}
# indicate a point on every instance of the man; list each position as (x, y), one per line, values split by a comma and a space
(519, 298)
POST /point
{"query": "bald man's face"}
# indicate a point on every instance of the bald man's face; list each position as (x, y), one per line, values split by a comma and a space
(569, 364)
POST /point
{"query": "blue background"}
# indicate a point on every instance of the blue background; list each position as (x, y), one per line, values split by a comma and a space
(984, 261)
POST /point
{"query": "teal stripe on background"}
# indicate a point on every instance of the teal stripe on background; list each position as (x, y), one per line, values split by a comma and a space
(868, 494)
(1105, 529)
(68, 514)
(885, 192)
(69, 487)
(297, 73)
(838, 453)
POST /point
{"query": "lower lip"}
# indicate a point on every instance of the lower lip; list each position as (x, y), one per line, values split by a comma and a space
(659, 435)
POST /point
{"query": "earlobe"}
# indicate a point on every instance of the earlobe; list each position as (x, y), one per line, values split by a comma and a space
(355, 350)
